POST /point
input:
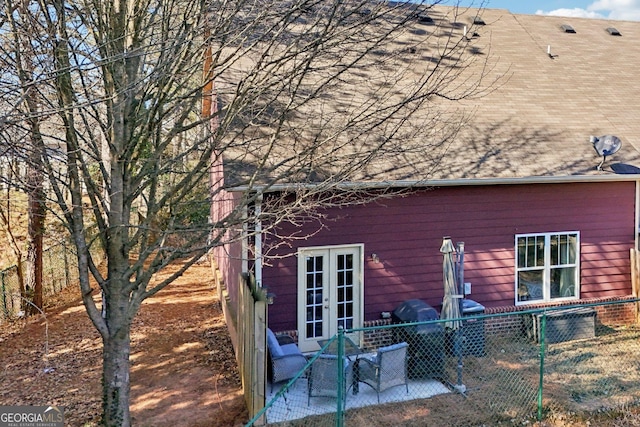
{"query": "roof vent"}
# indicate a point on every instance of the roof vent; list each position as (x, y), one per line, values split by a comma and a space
(477, 21)
(567, 28)
(424, 19)
(613, 31)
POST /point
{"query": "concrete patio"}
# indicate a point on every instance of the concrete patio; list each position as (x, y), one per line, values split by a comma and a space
(293, 403)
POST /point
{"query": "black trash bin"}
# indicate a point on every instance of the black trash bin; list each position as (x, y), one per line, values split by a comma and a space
(426, 356)
(472, 329)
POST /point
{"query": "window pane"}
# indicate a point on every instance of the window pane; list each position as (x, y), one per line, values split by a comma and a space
(531, 252)
(530, 285)
(539, 251)
(563, 249)
(522, 252)
(555, 249)
(545, 273)
(572, 248)
(563, 282)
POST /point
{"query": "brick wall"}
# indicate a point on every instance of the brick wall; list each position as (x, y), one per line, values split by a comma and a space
(617, 313)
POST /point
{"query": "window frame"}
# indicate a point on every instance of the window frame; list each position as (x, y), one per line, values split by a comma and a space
(547, 267)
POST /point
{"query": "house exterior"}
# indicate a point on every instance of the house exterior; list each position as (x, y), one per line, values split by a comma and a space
(520, 185)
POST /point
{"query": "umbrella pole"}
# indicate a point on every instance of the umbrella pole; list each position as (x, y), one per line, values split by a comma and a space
(461, 388)
(457, 346)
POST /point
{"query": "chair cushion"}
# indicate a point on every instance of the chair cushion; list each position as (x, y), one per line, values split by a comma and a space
(272, 342)
(289, 349)
(389, 348)
(393, 346)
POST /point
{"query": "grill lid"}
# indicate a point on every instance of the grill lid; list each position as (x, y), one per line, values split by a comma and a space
(414, 310)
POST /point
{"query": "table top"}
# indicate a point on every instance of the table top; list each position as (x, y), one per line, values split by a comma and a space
(350, 348)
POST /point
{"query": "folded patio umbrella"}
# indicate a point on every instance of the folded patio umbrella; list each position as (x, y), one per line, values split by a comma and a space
(452, 299)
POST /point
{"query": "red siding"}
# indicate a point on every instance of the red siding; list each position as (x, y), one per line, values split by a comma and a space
(406, 233)
(227, 256)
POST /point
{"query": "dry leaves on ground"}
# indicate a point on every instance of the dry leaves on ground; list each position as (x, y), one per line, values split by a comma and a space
(183, 370)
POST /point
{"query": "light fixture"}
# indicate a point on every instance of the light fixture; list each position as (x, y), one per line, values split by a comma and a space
(270, 297)
(375, 258)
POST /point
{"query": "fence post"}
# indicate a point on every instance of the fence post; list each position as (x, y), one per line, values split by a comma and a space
(4, 296)
(341, 379)
(66, 265)
(543, 327)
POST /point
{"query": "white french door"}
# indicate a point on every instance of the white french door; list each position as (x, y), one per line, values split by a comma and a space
(330, 290)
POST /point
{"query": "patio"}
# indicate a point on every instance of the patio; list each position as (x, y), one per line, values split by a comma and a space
(293, 404)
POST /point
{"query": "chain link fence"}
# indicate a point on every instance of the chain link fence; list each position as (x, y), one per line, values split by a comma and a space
(60, 269)
(508, 368)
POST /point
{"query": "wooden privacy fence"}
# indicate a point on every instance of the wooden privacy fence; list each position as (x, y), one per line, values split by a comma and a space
(251, 324)
(247, 329)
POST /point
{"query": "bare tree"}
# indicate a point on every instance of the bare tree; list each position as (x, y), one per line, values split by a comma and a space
(304, 96)
(22, 62)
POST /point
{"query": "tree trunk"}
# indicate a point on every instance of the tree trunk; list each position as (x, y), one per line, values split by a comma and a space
(115, 379)
(34, 250)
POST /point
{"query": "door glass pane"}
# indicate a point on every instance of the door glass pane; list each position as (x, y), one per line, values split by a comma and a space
(315, 296)
(344, 279)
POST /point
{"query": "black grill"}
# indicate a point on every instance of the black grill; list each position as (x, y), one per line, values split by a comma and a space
(426, 341)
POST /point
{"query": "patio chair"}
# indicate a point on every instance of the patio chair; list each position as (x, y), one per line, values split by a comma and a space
(388, 369)
(285, 358)
(324, 379)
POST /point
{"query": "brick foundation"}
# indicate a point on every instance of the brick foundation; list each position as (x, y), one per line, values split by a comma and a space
(618, 313)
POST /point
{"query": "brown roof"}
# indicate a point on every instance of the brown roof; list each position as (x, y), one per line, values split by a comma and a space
(537, 111)
(538, 123)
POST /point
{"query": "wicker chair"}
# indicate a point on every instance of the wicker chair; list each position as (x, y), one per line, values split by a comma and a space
(324, 378)
(388, 369)
(285, 358)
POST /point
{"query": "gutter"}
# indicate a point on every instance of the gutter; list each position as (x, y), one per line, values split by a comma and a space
(354, 185)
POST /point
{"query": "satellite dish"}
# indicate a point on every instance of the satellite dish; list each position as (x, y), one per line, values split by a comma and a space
(605, 146)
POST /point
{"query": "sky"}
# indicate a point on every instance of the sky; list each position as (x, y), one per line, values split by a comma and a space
(626, 10)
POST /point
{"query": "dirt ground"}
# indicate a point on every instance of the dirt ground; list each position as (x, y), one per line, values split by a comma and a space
(183, 370)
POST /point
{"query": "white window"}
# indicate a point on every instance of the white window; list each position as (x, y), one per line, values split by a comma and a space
(547, 267)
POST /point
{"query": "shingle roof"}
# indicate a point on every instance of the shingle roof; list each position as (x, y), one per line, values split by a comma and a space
(538, 123)
(554, 90)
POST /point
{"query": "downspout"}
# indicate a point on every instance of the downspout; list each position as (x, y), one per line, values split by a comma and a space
(245, 241)
(258, 242)
(634, 254)
(637, 214)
